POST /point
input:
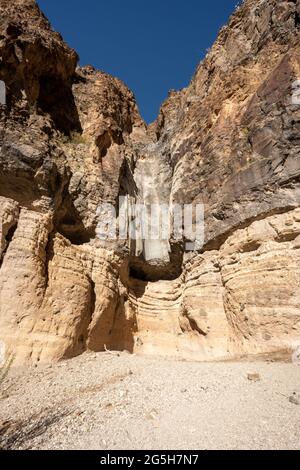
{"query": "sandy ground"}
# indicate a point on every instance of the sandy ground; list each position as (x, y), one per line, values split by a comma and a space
(104, 401)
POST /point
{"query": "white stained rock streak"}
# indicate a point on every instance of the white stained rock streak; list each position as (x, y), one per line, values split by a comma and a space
(153, 179)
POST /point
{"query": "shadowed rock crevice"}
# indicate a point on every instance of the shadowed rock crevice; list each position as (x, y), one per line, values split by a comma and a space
(70, 224)
(157, 270)
(73, 229)
(297, 17)
(56, 99)
(8, 238)
(49, 254)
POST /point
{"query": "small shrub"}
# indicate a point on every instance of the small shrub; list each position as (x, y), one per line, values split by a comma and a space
(75, 138)
(245, 131)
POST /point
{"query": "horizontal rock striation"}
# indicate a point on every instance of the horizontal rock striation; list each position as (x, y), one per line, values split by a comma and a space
(72, 138)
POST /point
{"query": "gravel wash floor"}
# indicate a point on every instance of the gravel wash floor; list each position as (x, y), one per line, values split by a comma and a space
(118, 401)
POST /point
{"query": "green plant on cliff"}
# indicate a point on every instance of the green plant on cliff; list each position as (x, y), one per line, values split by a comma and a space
(75, 138)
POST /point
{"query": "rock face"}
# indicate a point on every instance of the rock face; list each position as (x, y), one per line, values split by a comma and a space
(72, 138)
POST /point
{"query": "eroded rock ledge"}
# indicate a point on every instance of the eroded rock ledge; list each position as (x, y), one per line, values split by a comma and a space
(72, 138)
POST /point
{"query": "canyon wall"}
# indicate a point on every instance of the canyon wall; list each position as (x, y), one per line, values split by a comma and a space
(71, 138)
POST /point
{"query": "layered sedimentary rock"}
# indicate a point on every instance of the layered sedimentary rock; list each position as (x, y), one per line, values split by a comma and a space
(72, 138)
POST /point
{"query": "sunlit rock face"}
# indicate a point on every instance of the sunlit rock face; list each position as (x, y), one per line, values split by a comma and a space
(72, 139)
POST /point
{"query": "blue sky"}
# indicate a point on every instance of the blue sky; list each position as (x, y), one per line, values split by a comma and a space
(153, 46)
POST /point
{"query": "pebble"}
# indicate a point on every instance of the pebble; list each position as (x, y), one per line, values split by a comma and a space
(295, 399)
(253, 376)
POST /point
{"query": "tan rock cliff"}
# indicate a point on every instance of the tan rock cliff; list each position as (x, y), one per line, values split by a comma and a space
(72, 138)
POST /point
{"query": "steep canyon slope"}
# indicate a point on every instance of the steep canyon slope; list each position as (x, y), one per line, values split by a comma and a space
(72, 138)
